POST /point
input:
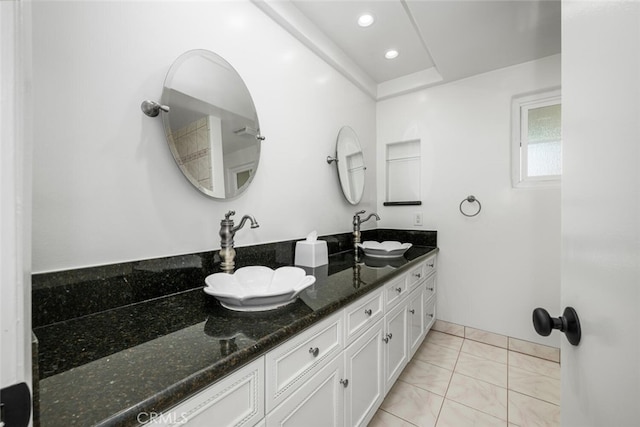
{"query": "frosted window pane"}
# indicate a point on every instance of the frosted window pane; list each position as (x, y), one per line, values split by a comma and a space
(544, 124)
(544, 151)
(544, 159)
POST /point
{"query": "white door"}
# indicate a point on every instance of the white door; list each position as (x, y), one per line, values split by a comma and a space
(600, 211)
(15, 218)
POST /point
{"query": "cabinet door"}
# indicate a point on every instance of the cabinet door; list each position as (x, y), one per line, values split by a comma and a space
(364, 369)
(396, 348)
(429, 312)
(319, 402)
(416, 320)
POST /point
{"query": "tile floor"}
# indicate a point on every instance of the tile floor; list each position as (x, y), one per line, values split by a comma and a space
(458, 382)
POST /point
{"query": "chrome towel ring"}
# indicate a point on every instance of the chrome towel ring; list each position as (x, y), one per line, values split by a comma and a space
(470, 199)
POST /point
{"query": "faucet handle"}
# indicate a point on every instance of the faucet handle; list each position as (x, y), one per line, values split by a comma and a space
(359, 213)
(229, 214)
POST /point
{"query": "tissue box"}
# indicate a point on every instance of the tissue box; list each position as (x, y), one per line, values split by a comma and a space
(311, 254)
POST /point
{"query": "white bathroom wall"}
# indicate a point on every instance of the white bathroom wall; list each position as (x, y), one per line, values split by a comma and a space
(106, 188)
(495, 268)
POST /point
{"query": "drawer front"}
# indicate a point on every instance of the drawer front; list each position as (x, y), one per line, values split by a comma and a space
(430, 287)
(361, 315)
(415, 276)
(395, 291)
(236, 400)
(319, 402)
(430, 266)
(290, 364)
(429, 312)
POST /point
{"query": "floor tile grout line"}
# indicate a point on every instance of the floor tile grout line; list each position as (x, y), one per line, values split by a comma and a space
(534, 397)
(532, 371)
(449, 384)
(397, 416)
(497, 346)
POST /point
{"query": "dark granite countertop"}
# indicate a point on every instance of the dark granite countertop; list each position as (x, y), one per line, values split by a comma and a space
(106, 367)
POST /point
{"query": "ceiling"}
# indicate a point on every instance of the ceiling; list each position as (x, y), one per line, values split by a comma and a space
(438, 40)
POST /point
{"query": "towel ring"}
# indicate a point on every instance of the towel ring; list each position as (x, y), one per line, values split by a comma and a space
(470, 199)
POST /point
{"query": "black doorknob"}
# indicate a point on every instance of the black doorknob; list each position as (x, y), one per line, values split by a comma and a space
(567, 323)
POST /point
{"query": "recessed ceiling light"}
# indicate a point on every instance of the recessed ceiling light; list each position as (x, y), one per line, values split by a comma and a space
(391, 54)
(365, 20)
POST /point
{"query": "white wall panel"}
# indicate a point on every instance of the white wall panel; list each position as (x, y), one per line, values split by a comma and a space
(106, 188)
(495, 268)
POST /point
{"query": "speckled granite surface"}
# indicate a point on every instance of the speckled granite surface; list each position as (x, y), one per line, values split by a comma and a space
(160, 338)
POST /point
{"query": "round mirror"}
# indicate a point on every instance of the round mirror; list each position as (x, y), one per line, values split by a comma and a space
(350, 162)
(212, 125)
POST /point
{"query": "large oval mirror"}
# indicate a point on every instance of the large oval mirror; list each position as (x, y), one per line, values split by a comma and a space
(350, 162)
(212, 125)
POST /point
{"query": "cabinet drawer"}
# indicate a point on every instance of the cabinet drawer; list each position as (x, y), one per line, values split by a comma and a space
(430, 287)
(236, 400)
(363, 313)
(415, 276)
(429, 266)
(429, 312)
(395, 291)
(290, 364)
(318, 402)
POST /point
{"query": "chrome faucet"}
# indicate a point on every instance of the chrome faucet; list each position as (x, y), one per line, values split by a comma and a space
(227, 232)
(356, 227)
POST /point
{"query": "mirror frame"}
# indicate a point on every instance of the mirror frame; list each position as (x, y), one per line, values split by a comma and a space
(221, 111)
(350, 165)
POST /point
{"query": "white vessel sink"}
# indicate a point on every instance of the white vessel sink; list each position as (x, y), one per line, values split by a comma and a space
(387, 249)
(258, 288)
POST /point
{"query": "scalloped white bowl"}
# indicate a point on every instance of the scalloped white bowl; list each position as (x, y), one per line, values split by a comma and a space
(386, 249)
(258, 288)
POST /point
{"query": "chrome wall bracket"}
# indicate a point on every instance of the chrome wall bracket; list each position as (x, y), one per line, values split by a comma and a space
(152, 108)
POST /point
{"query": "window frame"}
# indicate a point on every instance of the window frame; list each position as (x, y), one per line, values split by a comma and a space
(520, 105)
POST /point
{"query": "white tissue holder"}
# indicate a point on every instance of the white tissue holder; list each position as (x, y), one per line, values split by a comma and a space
(311, 253)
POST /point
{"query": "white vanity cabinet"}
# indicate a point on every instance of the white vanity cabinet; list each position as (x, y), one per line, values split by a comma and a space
(334, 374)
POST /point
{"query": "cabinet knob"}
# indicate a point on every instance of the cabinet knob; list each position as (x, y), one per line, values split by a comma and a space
(398, 290)
(412, 311)
(314, 351)
(368, 312)
(390, 335)
(430, 289)
(430, 315)
(430, 265)
(344, 383)
(418, 275)
(387, 338)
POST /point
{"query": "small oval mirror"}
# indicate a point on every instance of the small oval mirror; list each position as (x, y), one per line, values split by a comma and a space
(212, 126)
(350, 162)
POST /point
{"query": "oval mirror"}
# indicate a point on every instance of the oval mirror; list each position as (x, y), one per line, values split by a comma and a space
(350, 162)
(212, 125)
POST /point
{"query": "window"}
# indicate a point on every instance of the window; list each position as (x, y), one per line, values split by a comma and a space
(537, 139)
